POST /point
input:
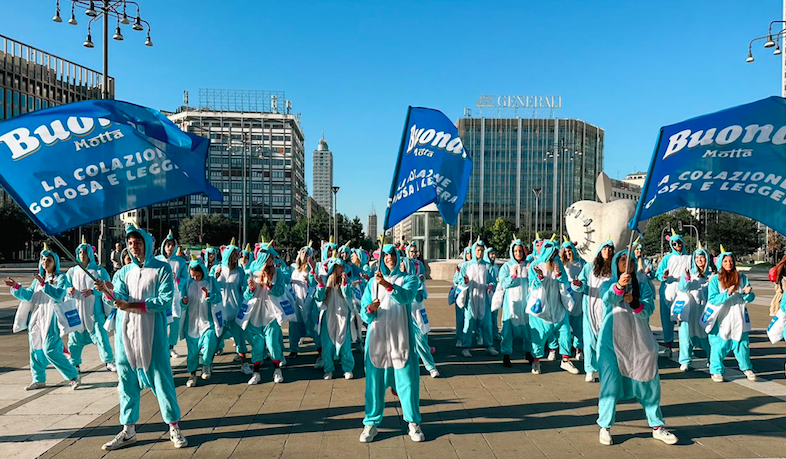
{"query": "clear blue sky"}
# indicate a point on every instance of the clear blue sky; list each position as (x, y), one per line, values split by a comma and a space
(352, 68)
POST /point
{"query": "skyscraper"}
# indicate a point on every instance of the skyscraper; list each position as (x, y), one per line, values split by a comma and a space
(372, 224)
(322, 178)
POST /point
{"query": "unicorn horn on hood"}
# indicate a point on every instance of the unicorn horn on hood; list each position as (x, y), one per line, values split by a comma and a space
(347, 244)
(698, 246)
(208, 247)
(673, 233)
(310, 243)
(271, 243)
(477, 240)
(133, 223)
(84, 239)
(232, 242)
(331, 241)
(46, 247)
(248, 247)
(553, 237)
(170, 235)
(262, 239)
(638, 238)
(193, 257)
(537, 235)
(722, 249)
(565, 238)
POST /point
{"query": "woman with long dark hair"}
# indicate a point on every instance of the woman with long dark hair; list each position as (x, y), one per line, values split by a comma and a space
(627, 351)
(591, 279)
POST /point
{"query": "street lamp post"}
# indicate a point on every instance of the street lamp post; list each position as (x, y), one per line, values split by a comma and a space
(537, 192)
(335, 220)
(106, 9)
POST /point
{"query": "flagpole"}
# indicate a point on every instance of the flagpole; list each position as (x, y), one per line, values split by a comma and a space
(71, 257)
(396, 171)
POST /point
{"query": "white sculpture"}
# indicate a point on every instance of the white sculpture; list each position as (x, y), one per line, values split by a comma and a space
(590, 223)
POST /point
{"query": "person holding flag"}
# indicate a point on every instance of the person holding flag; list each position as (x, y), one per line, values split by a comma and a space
(232, 279)
(203, 323)
(142, 294)
(593, 279)
(47, 289)
(478, 278)
(627, 351)
(671, 268)
(90, 307)
(726, 317)
(390, 358)
(180, 274)
(515, 321)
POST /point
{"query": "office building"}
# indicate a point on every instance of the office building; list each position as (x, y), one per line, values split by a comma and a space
(529, 170)
(636, 178)
(623, 189)
(322, 176)
(256, 160)
(32, 79)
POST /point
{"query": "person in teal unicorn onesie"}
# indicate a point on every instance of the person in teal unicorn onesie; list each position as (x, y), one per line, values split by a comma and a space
(390, 358)
(91, 308)
(336, 311)
(726, 317)
(574, 265)
(203, 319)
(593, 278)
(490, 257)
(477, 276)
(549, 313)
(180, 273)
(515, 321)
(627, 352)
(671, 268)
(231, 277)
(696, 284)
(142, 293)
(304, 286)
(421, 325)
(47, 289)
(457, 280)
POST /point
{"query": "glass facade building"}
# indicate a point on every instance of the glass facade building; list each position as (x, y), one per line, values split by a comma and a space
(514, 156)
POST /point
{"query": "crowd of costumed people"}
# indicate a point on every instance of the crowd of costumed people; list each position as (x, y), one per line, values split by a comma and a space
(545, 301)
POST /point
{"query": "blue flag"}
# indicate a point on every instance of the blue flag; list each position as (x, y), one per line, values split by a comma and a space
(732, 160)
(432, 166)
(81, 162)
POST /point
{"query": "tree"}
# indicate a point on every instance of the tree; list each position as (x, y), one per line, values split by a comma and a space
(216, 230)
(738, 234)
(282, 235)
(655, 227)
(265, 232)
(500, 235)
(776, 244)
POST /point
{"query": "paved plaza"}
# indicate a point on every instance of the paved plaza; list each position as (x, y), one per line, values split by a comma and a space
(477, 409)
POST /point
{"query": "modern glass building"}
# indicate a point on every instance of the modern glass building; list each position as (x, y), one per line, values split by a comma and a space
(322, 176)
(520, 165)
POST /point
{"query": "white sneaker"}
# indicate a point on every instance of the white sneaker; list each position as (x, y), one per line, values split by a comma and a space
(605, 436)
(35, 385)
(119, 441)
(536, 367)
(207, 371)
(111, 367)
(664, 435)
(552, 355)
(176, 437)
(459, 344)
(327, 376)
(246, 369)
(192, 381)
(750, 375)
(76, 382)
(283, 362)
(368, 434)
(319, 363)
(348, 375)
(434, 373)
(255, 379)
(465, 353)
(717, 378)
(415, 433)
(579, 355)
(568, 366)
(174, 355)
(492, 351)
(589, 377)
(277, 376)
